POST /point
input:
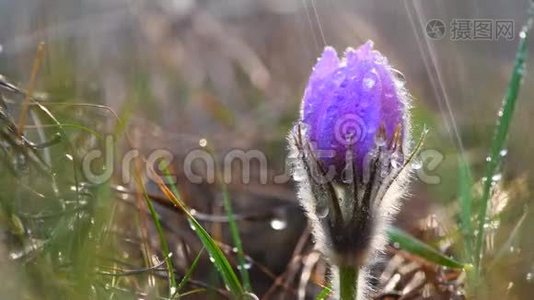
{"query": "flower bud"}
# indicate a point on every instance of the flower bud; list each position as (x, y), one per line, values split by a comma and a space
(350, 146)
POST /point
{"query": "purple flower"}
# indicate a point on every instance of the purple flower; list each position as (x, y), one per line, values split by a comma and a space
(350, 150)
(346, 102)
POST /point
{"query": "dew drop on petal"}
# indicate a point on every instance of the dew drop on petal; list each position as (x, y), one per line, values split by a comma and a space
(368, 82)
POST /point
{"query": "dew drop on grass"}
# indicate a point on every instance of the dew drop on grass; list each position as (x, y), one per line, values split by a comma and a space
(246, 266)
(530, 277)
(278, 224)
(192, 226)
(503, 152)
(496, 177)
(69, 157)
(212, 259)
(235, 250)
(203, 143)
(488, 158)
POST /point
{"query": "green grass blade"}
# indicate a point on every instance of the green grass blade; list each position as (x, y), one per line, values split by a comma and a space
(218, 259)
(466, 206)
(164, 245)
(236, 238)
(414, 246)
(188, 274)
(501, 132)
(216, 255)
(513, 235)
(325, 292)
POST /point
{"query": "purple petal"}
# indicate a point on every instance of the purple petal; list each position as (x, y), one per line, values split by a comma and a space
(346, 101)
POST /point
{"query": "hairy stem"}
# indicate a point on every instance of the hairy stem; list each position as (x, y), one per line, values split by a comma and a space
(348, 277)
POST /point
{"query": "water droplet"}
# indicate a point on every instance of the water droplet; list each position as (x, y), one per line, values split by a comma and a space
(529, 277)
(322, 211)
(417, 164)
(299, 174)
(192, 226)
(496, 177)
(235, 250)
(369, 82)
(399, 84)
(503, 152)
(173, 290)
(396, 160)
(499, 113)
(522, 35)
(488, 158)
(246, 266)
(339, 77)
(278, 224)
(203, 143)
(69, 157)
(212, 259)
